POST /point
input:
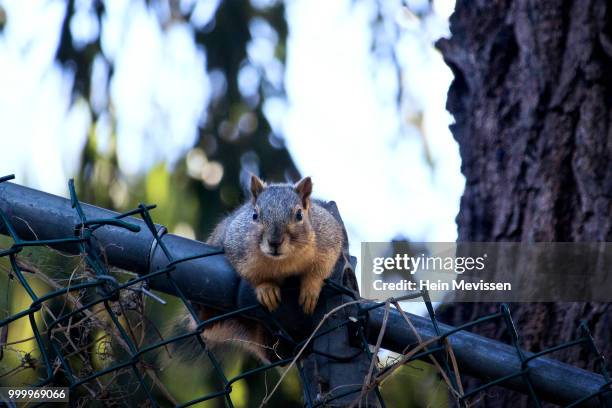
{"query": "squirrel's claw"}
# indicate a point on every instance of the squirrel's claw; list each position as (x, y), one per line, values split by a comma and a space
(268, 294)
(308, 301)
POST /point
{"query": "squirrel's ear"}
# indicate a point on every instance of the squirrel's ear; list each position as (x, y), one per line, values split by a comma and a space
(257, 186)
(303, 188)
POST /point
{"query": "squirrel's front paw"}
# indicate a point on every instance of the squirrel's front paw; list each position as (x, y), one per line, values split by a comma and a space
(308, 300)
(268, 294)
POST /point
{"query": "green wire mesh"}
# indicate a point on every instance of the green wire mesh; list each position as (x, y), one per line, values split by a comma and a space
(105, 293)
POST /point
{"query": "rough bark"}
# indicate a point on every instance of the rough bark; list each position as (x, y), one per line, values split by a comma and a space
(532, 102)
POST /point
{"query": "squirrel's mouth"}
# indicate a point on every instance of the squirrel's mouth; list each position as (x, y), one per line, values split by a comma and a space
(277, 251)
(275, 254)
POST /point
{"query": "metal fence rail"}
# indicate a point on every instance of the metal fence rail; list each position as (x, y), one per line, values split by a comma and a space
(335, 361)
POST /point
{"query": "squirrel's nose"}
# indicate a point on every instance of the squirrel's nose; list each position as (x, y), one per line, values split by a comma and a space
(275, 244)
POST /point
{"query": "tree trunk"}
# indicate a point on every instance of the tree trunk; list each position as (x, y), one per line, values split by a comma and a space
(532, 101)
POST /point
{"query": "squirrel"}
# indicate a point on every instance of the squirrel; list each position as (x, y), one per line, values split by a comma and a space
(279, 232)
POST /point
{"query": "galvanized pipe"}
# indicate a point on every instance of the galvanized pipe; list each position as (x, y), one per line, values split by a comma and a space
(488, 359)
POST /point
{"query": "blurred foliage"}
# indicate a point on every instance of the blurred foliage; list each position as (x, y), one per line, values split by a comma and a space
(235, 138)
(2, 18)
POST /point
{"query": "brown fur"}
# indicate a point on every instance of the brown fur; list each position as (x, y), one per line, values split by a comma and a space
(268, 249)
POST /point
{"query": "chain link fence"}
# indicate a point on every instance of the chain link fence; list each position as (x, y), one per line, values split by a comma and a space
(88, 331)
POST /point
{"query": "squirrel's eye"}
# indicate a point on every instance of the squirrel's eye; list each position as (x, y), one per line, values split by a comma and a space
(298, 215)
(255, 216)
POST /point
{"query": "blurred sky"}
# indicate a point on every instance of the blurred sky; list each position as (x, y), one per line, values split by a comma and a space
(388, 178)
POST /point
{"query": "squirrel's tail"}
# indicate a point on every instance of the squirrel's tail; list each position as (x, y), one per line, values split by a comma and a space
(238, 332)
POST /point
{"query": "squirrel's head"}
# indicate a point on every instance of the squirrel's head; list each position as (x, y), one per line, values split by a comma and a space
(281, 215)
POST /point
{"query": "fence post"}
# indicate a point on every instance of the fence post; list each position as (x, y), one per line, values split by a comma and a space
(336, 371)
